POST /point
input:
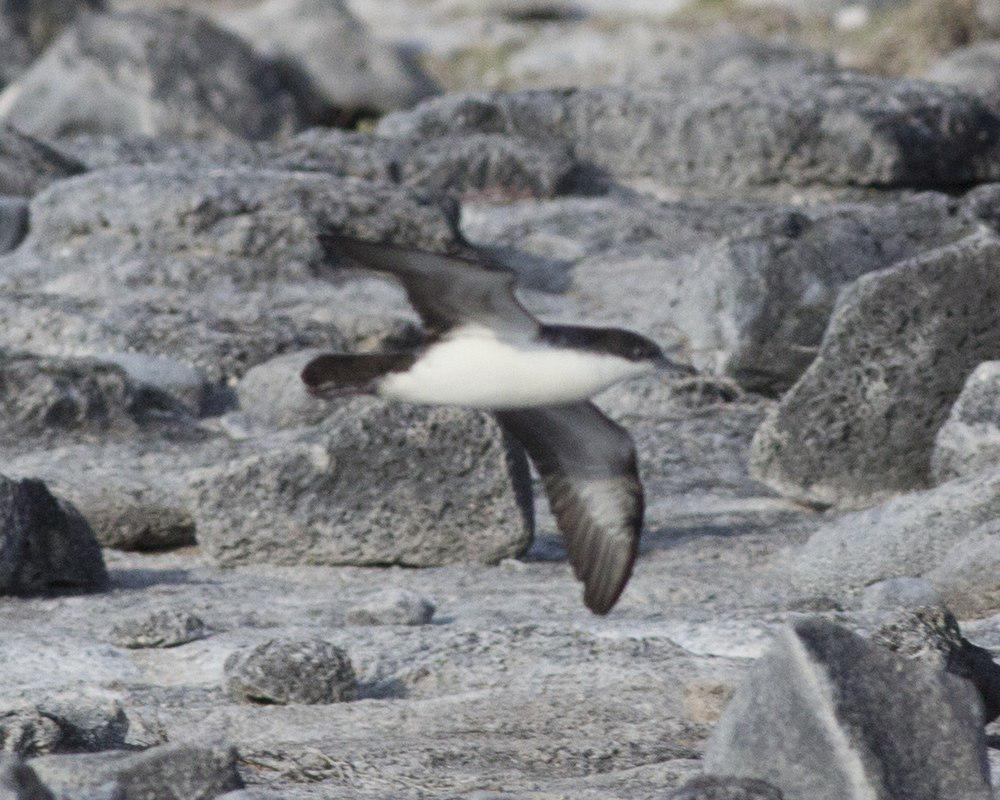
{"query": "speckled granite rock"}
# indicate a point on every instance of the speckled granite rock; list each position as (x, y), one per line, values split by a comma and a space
(286, 671)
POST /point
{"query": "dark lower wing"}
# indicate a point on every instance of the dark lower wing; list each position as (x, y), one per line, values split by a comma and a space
(588, 467)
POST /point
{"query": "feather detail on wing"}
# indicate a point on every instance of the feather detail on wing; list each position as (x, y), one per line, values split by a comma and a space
(588, 467)
(447, 292)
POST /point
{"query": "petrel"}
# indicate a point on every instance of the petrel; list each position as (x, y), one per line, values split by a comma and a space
(484, 350)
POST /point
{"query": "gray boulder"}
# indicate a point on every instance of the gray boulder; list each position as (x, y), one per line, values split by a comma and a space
(860, 424)
(377, 484)
(969, 440)
(45, 545)
(163, 73)
(273, 394)
(930, 634)
(711, 787)
(19, 782)
(392, 607)
(285, 671)
(165, 628)
(193, 772)
(27, 166)
(974, 69)
(830, 128)
(352, 71)
(906, 536)
(893, 594)
(968, 575)
(755, 305)
(13, 223)
(826, 715)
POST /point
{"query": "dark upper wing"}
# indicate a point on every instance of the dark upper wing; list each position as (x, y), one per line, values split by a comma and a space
(588, 466)
(446, 291)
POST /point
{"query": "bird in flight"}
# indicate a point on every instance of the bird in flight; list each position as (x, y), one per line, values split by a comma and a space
(484, 350)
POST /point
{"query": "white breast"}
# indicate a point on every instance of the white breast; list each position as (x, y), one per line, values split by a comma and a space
(473, 368)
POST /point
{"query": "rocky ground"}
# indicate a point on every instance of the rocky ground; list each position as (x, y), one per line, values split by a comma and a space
(215, 585)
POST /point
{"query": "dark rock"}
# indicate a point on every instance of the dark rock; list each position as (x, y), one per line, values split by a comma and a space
(906, 536)
(13, 223)
(168, 772)
(165, 73)
(931, 634)
(837, 129)
(860, 423)
(27, 166)
(287, 671)
(393, 607)
(710, 787)
(131, 501)
(39, 395)
(28, 26)
(166, 628)
(45, 545)
(353, 72)
(828, 716)
(969, 440)
(26, 732)
(19, 782)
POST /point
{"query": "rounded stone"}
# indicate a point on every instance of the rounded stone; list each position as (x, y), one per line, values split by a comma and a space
(283, 671)
(166, 628)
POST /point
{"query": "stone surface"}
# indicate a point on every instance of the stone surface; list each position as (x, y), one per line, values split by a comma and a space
(354, 72)
(214, 269)
(168, 73)
(906, 536)
(967, 576)
(131, 501)
(13, 223)
(198, 772)
(392, 607)
(28, 26)
(931, 634)
(437, 489)
(842, 735)
(273, 394)
(892, 594)
(19, 782)
(860, 423)
(969, 440)
(27, 166)
(709, 787)
(166, 628)
(974, 69)
(45, 545)
(833, 129)
(39, 395)
(287, 671)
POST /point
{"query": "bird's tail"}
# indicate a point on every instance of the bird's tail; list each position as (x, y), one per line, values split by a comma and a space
(340, 374)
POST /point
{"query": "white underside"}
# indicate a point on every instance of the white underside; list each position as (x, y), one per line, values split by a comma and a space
(473, 368)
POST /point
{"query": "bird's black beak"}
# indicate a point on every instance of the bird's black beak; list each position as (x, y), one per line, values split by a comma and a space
(675, 368)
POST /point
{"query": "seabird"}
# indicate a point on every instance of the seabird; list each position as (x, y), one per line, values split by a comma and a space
(484, 350)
